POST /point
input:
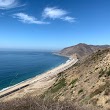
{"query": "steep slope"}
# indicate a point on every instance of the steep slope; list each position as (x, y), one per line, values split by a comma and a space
(87, 82)
(82, 50)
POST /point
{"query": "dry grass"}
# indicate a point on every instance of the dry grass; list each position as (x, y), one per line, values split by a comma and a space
(30, 103)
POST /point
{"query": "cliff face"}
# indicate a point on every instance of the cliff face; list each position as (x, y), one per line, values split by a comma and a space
(87, 82)
(82, 50)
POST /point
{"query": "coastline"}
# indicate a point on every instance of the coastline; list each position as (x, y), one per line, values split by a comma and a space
(69, 58)
(41, 78)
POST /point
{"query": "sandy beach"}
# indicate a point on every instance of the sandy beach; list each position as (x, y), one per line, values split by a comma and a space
(36, 85)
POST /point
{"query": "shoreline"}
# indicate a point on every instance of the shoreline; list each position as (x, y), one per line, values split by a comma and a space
(39, 78)
(69, 58)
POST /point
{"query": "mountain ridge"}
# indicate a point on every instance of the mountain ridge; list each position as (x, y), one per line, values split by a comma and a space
(82, 50)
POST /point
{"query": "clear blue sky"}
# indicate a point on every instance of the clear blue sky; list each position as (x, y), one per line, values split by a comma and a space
(53, 24)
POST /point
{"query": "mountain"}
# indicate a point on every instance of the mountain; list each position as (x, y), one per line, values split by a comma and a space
(82, 50)
(86, 83)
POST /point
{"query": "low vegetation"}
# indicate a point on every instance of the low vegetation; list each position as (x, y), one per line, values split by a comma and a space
(100, 89)
(80, 91)
(60, 84)
(73, 82)
(101, 73)
(30, 103)
(108, 72)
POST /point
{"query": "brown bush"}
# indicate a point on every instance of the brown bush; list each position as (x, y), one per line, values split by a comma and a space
(30, 103)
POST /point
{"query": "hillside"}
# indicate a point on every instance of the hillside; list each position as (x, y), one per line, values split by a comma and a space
(82, 50)
(86, 83)
(84, 86)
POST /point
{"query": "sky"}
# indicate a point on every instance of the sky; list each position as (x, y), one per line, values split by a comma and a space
(53, 24)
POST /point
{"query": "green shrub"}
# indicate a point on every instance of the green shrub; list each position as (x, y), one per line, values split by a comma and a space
(100, 89)
(73, 82)
(61, 83)
(108, 72)
(80, 91)
(101, 73)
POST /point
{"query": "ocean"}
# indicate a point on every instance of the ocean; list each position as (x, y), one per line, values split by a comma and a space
(16, 67)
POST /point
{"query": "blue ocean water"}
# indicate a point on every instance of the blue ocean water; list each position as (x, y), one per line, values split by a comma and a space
(16, 67)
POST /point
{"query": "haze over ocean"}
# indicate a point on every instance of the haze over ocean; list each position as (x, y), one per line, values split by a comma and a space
(19, 66)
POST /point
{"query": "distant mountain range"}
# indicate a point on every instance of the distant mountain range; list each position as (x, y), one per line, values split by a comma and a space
(82, 50)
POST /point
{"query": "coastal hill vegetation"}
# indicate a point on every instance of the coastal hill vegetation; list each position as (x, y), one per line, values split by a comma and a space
(86, 83)
(84, 86)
